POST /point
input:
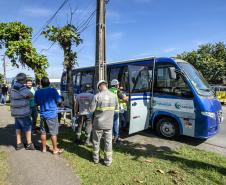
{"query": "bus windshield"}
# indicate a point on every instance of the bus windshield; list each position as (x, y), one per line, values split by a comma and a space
(197, 80)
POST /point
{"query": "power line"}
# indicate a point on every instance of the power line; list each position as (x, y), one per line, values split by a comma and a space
(48, 47)
(39, 33)
(85, 12)
(86, 23)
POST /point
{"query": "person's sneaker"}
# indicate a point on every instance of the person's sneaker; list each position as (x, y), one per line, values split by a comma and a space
(19, 146)
(30, 146)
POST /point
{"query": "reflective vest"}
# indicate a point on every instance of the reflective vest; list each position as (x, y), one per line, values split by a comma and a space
(122, 103)
(115, 91)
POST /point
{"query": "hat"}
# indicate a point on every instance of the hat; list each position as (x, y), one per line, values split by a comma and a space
(101, 82)
(114, 82)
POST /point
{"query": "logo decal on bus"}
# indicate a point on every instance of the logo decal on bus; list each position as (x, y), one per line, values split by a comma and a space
(178, 105)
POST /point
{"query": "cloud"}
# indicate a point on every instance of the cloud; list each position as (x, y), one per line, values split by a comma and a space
(169, 50)
(117, 18)
(36, 12)
(113, 15)
(113, 40)
(115, 36)
(199, 42)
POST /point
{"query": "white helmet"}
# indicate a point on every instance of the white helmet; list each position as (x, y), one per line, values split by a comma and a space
(114, 82)
(100, 82)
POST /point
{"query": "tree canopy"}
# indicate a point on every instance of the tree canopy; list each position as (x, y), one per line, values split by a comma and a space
(16, 37)
(1, 78)
(210, 60)
(65, 37)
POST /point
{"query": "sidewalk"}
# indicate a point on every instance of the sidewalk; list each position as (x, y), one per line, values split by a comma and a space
(32, 167)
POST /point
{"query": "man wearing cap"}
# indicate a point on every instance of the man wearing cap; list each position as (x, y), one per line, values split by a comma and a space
(120, 97)
(82, 105)
(20, 110)
(103, 105)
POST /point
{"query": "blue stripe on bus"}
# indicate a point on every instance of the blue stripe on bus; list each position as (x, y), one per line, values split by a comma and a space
(133, 99)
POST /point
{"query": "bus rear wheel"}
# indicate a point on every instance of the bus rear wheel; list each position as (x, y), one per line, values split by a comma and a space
(168, 128)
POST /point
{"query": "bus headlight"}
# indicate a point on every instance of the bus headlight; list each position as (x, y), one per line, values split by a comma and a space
(209, 114)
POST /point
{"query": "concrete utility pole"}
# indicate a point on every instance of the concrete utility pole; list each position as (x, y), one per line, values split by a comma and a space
(100, 64)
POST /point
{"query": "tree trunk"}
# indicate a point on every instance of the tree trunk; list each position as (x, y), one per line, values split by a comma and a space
(70, 87)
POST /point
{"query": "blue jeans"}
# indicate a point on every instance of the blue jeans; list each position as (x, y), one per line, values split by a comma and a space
(24, 124)
(116, 125)
(123, 119)
(3, 99)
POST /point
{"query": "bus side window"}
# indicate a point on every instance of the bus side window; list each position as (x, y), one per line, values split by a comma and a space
(166, 85)
(63, 82)
(140, 80)
(78, 79)
(87, 78)
(114, 74)
(125, 80)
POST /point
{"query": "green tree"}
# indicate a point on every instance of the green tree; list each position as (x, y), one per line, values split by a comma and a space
(15, 37)
(1, 78)
(210, 60)
(66, 37)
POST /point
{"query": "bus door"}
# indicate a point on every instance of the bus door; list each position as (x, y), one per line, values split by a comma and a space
(140, 88)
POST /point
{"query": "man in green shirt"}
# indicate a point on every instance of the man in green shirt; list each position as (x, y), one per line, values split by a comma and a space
(120, 97)
(34, 112)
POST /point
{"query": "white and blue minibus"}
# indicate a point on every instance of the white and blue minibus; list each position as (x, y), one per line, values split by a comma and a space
(169, 95)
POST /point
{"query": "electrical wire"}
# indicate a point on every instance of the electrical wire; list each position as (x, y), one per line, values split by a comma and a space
(86, 23)
(39, 33)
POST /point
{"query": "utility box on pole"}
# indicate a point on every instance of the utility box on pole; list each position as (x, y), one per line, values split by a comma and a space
(100, 64)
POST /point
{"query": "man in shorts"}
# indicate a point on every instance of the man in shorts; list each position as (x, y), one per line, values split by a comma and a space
(34, 111)
(20, 110)
(48, 98)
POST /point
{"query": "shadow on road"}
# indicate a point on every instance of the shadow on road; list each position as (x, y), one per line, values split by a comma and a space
(8, 137)
(67, 137)
(182, 139)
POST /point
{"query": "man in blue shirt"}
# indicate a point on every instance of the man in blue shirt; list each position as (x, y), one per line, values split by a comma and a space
(48, 98)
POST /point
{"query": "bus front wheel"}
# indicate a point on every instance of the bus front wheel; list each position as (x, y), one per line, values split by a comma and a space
(168, 128)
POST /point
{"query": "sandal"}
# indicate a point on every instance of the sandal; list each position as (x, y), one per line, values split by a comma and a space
(60, 151)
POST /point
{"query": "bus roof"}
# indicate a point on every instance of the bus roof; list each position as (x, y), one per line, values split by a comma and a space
(131, 61)
(56, 80)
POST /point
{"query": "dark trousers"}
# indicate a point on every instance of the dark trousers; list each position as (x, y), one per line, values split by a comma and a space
(84, 119)
(34, 115)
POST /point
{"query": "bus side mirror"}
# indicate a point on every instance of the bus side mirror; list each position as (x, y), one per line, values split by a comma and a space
(172, 73)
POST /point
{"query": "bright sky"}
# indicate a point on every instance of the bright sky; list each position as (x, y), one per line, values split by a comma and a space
(135, 28)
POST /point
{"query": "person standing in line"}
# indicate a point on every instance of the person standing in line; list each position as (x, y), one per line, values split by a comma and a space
(34, 112)
(103, 106)
(0, 94)
(20, 110)
(123, 111)
(82, 105)
(48, 98)
(4, 93)
(120, 96)
(61, 106)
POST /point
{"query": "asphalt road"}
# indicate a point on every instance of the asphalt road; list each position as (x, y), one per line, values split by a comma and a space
(220, 139)
(215, 144)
